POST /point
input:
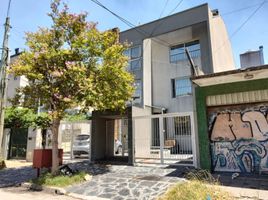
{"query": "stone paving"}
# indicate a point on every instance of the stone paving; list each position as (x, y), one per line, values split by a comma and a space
(125, 182)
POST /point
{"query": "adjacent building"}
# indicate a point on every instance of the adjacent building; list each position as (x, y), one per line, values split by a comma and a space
(252, 58)
(232, 115)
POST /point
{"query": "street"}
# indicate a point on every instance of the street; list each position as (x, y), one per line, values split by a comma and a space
(20, 193)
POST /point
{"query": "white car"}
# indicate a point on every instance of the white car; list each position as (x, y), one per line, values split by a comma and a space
(81, 145)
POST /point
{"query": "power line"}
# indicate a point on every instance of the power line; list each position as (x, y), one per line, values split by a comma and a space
(241, 9)
(164, 8)
(175, 7)
(250, 16)
(131, 25)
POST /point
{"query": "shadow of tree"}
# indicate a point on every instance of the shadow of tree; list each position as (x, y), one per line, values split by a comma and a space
(15, 176)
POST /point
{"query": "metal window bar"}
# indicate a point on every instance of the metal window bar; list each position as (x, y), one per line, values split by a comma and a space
(174, 146)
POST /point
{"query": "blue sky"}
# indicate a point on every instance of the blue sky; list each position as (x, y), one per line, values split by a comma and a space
(28, 15)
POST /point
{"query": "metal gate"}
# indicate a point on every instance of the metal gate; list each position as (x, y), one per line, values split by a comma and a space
(18, 143)
(165, 139)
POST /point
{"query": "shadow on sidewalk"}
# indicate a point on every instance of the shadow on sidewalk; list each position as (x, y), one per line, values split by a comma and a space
(15, 176)
(252, 181)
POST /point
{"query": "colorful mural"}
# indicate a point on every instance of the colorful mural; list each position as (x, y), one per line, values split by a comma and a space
(239, 138)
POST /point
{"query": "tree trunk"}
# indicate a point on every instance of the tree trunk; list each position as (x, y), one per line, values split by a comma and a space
(55, 150)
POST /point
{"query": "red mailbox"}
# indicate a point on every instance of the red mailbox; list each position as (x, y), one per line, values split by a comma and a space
(43, 158)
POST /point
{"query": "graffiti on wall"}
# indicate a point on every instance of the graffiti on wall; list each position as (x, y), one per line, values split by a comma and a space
(239, 139)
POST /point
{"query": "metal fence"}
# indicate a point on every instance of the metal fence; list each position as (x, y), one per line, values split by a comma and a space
(165, 139)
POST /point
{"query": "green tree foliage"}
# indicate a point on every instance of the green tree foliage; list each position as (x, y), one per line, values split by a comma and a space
(25, 117)
(72, 64)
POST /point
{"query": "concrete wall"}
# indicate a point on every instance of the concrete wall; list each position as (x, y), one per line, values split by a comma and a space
(142, 131)
(163, 71)
(34, 141)
(221, 49)
(147, 72)
(98, 144)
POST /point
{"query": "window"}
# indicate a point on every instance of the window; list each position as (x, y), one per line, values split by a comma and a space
(181, 87)
(135, 58)
(137, 93)
(182, 125)
(177, 53)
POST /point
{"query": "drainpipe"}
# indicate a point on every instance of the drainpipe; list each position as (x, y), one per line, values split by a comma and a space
(261, 55)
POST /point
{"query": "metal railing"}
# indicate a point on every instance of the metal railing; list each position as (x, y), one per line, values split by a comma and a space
(164, 139)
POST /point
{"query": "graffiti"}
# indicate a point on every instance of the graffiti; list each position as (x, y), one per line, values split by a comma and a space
(239, 139)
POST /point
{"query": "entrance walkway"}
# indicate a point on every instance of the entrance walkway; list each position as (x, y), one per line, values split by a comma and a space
(125, 182)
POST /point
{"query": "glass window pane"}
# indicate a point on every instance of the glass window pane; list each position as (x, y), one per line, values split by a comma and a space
(177, 53)
(127, 52)
(135, 64)
(137, 93)
(183, 87)
(136, 52)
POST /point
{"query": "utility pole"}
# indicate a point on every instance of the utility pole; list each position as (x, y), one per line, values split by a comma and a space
(3, 78)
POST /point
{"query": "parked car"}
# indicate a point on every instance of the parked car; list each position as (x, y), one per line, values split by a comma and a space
(81, 145)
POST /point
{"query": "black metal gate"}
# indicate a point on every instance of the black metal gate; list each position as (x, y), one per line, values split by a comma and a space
(18, 143)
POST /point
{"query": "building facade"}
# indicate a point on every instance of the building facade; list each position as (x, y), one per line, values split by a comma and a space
(162, 74)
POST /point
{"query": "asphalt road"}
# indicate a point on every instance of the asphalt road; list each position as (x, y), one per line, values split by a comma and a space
(19, 193)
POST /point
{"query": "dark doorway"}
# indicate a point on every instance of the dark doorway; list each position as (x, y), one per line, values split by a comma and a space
(18, 143)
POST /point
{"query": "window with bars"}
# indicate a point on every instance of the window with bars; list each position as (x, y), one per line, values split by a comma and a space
(182, 125)
(177, 53)
(181, 87)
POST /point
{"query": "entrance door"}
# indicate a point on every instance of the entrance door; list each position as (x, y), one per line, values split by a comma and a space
(122, 136)
(18, 143)
(117, 138)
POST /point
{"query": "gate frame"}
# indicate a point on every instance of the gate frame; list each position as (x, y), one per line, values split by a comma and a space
(161, 134)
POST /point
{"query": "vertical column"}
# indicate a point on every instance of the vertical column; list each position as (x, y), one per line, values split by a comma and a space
(161, 135)
(193, 138)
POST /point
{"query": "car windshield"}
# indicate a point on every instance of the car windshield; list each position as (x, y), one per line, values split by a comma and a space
(82, 137)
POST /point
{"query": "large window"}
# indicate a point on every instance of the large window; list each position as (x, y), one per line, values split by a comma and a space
(181, 86)
(135, 58)
(177, 53)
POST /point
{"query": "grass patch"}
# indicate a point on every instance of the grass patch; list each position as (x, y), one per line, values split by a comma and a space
(60, 180)
(195, 190)
(201, 186)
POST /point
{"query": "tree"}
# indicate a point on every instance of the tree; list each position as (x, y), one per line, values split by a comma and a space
(72, 64)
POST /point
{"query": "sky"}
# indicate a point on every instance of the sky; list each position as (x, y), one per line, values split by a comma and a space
(28, 15)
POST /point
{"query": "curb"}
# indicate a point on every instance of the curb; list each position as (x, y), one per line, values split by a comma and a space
(51, 190)
(58, 191)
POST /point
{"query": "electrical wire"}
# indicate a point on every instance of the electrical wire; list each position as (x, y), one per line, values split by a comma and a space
(163, 10)
(241, 9)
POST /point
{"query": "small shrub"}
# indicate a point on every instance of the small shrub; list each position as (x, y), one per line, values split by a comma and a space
(2, 164)
(201, 175)
(48, 179)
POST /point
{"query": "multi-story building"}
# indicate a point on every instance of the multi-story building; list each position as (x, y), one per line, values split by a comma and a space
(163, 84)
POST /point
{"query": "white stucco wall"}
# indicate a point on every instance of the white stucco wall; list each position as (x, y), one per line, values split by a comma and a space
(222, 54)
